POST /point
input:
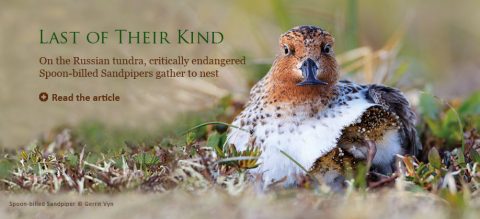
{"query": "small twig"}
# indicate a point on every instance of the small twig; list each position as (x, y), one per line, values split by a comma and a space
(383, 181)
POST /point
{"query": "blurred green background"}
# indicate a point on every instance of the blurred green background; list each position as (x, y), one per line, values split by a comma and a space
(415, 45)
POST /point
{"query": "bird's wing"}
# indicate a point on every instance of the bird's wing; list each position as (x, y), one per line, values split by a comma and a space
(241, 135)
(393, 100)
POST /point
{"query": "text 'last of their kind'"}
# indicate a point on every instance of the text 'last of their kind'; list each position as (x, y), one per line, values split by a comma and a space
(124, 36)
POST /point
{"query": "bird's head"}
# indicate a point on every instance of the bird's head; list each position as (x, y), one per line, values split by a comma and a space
(306, 65)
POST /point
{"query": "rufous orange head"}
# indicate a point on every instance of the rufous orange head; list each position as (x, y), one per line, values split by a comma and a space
(306, 65)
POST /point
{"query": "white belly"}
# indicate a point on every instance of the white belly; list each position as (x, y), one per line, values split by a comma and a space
(303, 137)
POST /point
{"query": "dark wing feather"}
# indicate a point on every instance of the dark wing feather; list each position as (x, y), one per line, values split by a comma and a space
(393, 100)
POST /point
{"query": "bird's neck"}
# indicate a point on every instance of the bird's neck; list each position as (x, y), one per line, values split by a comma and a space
(281, 85)
(287, 92)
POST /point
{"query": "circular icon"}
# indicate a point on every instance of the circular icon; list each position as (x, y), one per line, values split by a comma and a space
(43, 96)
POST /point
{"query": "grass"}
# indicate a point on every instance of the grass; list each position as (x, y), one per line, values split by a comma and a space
(200, 157)
(197, 171)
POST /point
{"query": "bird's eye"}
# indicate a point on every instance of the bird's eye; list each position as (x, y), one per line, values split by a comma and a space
(327, 48)
(286, 49)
